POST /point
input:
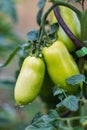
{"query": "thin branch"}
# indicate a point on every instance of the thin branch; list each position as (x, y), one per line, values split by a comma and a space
(58, 3)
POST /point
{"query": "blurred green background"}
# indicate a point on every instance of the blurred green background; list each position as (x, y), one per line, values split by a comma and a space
(17, 17)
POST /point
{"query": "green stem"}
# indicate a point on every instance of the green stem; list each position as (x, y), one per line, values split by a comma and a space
(66, 29)
(58, 3)
(61, 3)
(64, 94)
(85, 82)
(72, 118)
(83, 100)
(69, 125)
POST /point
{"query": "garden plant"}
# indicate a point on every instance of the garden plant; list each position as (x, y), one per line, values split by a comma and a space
(53, 66)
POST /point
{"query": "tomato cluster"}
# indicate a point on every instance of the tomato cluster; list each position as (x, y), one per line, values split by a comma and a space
(39, 76)
(32, 78)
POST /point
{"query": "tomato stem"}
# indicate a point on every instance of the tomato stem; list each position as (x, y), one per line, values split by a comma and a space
(58, 3)
(66, 29)
(61, 3)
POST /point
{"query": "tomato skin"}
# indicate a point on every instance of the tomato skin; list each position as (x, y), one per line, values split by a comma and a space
(71, 19)
(47, 86)
(30, 80)
(60, 65)
(46, 92)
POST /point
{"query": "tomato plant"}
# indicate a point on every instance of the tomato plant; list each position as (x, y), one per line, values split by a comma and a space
(54, 66)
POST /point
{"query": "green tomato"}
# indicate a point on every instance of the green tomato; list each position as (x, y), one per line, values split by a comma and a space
(46, 92)
(71, 19)
(47, 86)
(53, 18)
(84, 124)
(30, 80)
(60, 65)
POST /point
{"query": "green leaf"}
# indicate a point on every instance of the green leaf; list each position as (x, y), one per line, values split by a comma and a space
(84, 26)
(82, 52)
(6, 84)
(41, 128)
(44, 122)
(11, 56)
(53, 114)
(32, 35)
(41, 4)
(24, 46)
(39, 16)
(6, 47)
(71, 102)
(8, 7)
(52, 37)
(76, 79)
(54, 28)
(57, 91)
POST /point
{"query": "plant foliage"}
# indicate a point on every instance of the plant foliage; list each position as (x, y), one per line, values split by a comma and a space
(70, 111)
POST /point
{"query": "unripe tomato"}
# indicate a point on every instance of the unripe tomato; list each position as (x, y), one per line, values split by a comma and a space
(60, 65)
(84, 124)
(46, 92)
(47, 86)
(29, 80)
(53, 18)
(71, 19)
